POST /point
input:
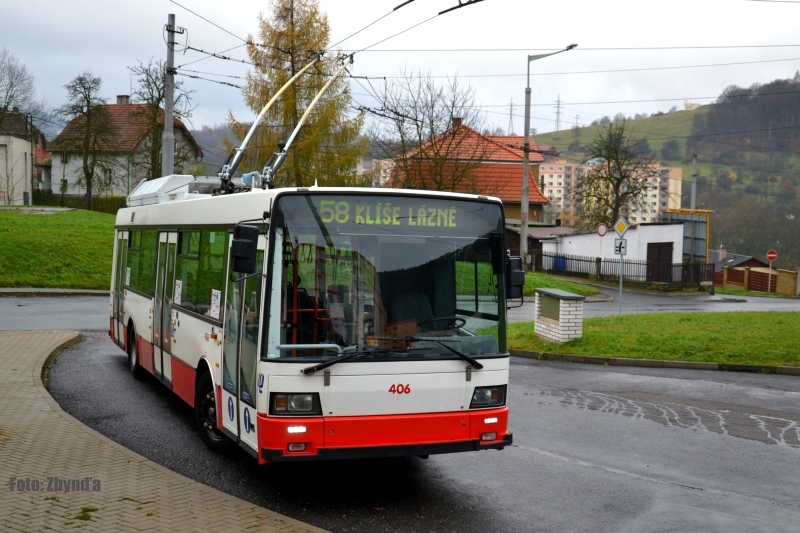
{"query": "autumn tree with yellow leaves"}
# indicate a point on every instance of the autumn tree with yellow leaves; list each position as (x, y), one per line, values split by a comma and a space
(327, 148)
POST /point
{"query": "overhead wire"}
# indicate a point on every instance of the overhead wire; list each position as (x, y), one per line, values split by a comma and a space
(378, 98)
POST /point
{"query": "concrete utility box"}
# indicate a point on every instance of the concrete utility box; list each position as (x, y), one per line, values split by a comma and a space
(558, 315)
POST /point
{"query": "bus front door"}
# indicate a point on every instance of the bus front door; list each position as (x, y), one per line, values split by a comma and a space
(240, 349)
(162, 306)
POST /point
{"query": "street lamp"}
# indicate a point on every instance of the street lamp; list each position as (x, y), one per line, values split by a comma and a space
(526, 146)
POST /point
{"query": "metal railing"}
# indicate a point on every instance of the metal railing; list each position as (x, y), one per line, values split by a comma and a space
(648, 274)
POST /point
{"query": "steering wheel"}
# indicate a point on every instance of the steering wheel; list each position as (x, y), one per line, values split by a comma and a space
(452, 322)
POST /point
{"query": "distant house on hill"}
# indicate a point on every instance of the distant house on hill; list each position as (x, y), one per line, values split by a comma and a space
(124, 157)
(465, 160)
(24, 161)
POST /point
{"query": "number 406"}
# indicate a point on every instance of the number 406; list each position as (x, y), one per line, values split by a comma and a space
(400, 389)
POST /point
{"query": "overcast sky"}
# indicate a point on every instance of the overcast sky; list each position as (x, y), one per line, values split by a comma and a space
(633, 56)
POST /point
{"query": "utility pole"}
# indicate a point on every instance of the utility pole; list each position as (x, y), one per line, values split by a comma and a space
(693, 197)
(33, 155)
(558, 117)
(168, 139)
(510, 118)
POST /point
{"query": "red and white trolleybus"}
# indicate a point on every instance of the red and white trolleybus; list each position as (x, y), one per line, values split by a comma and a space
(320, 323)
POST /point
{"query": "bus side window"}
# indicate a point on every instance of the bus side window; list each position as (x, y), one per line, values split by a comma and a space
(251, 315)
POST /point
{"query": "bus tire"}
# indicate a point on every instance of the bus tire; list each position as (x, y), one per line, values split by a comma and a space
(205, 414)
(133, 355)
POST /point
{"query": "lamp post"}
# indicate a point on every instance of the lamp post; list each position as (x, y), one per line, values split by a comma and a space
(526, 146)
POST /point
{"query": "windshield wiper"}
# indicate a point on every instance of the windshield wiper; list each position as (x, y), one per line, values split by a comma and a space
(473, 362)
(345, 355)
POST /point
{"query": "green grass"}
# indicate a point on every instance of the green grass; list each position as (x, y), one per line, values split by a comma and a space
(537, 280)
(748, 338)
(658, 130)
(69, 249)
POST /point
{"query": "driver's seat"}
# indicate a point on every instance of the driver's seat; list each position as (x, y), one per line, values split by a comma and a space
(411, 305)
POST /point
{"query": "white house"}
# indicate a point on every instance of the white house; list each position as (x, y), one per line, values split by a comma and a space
(15, 170)
(122, 162)
(659, 242)
(22, 155)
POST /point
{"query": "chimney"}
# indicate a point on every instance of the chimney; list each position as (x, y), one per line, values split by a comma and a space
(15, 109)
(456, 122)
(721, 252)
(123, 99)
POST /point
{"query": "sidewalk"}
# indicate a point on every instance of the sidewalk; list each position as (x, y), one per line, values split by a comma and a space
(57, 474)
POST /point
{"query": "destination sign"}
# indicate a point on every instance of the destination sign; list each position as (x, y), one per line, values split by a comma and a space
(438, 215)
(381, 213)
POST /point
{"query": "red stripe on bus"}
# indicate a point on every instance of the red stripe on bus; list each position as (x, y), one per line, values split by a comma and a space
(183, 377)
(146, 355)
(383, 430)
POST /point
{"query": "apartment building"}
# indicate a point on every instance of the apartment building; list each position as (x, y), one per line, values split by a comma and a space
(560, 176)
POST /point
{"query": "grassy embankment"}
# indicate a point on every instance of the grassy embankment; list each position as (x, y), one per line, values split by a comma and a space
(68, 249)
(741, 338)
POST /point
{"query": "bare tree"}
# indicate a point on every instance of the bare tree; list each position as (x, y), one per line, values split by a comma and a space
(151, 93)
(615, 180)
(421, 126)
(16, 84)
(8, 181)
(89, 134)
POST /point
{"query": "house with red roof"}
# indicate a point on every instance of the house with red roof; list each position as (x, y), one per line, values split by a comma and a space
(465, 160)
(123, 158)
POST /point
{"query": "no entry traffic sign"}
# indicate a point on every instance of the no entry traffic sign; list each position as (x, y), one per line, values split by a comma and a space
(772, 255)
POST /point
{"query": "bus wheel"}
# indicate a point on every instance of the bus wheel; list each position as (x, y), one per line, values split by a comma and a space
(133, 355)
(205, 414)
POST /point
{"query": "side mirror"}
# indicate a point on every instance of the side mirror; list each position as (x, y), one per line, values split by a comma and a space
(515, 278)
(243, 249)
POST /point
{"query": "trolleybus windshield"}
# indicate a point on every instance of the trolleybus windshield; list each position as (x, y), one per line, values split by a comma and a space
(386, 276)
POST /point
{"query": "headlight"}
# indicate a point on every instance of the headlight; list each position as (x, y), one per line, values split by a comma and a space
(488, 396)
(306, 403)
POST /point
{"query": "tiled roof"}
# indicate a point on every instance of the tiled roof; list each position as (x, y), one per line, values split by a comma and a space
(731, 260)
(14, 124)
(127, 126)
(498, 172)
(467, 143)
(503, 180)
(516, 142)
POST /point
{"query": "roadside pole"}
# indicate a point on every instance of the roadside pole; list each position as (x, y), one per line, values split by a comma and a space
(621, 248)
(772, 255)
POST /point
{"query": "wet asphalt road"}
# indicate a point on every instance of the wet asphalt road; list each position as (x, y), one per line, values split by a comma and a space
(595, 449)
(90, 313)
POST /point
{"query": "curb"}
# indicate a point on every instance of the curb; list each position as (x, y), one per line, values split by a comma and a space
(654, 363)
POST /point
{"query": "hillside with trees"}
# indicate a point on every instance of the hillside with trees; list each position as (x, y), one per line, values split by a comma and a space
(748, 154)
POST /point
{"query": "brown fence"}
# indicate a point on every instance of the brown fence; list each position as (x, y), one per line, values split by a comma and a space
(666, 276)
(782, 282)
(103, 204)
